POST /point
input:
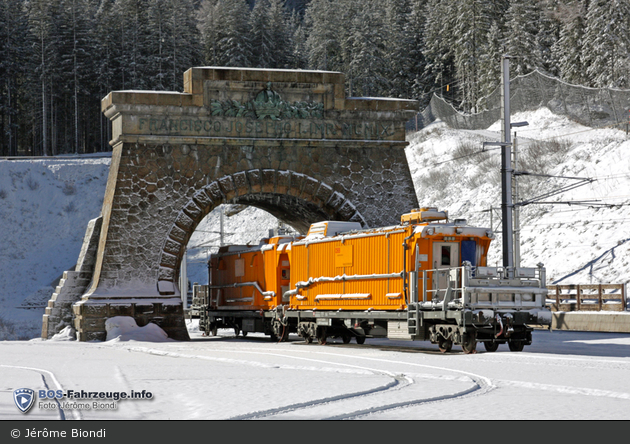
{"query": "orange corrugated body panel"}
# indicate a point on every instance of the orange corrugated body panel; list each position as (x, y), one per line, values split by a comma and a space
(354, 272)
(229, 280)
(250, 277)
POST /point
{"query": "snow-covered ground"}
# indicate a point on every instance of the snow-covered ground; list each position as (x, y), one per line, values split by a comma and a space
(562, 375)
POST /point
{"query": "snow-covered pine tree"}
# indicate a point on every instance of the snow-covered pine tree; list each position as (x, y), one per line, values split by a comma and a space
(185, 42)
(158, 53)
(419, 82)
(520, 36)
(133, 25)
(174, 45)
(472, 26)
(281, 34)
(107, 47)
(74, 73)
(224, 26)
(209, 16)
(439, 46)
(41, 59)
(323, 23)
(607, 43)
(548, 34)
(398, 44)
(490, 67)
(263, 44)
(14, 47)
(568, 48)
(298, 55)
(235, 44)
(369, 69)
(108, 70)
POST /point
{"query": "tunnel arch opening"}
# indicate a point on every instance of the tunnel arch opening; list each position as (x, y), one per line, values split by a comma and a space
(295, 199)
(227, 224)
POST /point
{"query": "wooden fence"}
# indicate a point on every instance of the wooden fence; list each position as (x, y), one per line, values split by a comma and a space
(587, 297)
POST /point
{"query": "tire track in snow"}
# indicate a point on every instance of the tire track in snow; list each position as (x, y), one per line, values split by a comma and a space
(76, 414)
(565, 389)
(480, 387)
(400, 381)
(120, 375)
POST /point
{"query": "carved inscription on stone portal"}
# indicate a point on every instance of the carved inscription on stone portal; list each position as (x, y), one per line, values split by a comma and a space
(291, 129)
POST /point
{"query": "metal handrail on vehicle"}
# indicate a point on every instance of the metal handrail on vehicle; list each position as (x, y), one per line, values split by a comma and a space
(466, 277)
(453, 274)
(265, 294)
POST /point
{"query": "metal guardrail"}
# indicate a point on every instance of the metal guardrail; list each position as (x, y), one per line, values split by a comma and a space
(587, 297)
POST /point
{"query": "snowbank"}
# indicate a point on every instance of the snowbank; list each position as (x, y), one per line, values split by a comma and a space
(124, 328)
(67, 334)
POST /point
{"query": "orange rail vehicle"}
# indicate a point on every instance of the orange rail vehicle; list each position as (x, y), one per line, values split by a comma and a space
(244, 280)
(425, 279)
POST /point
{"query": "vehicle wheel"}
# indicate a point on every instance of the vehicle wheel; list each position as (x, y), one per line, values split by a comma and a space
(469, 343)
(445, 345)
(516, 346)
(360, 339)
(491, 346)
(308, 339)
(244, 333)
(346, 338)
(214, 330)
(236, 331)
(322, 336)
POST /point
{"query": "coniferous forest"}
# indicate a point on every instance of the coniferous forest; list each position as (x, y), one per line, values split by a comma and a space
(59, 58)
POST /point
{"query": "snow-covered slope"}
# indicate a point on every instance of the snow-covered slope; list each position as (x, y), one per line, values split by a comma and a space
(45, 206)
(578, 243)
